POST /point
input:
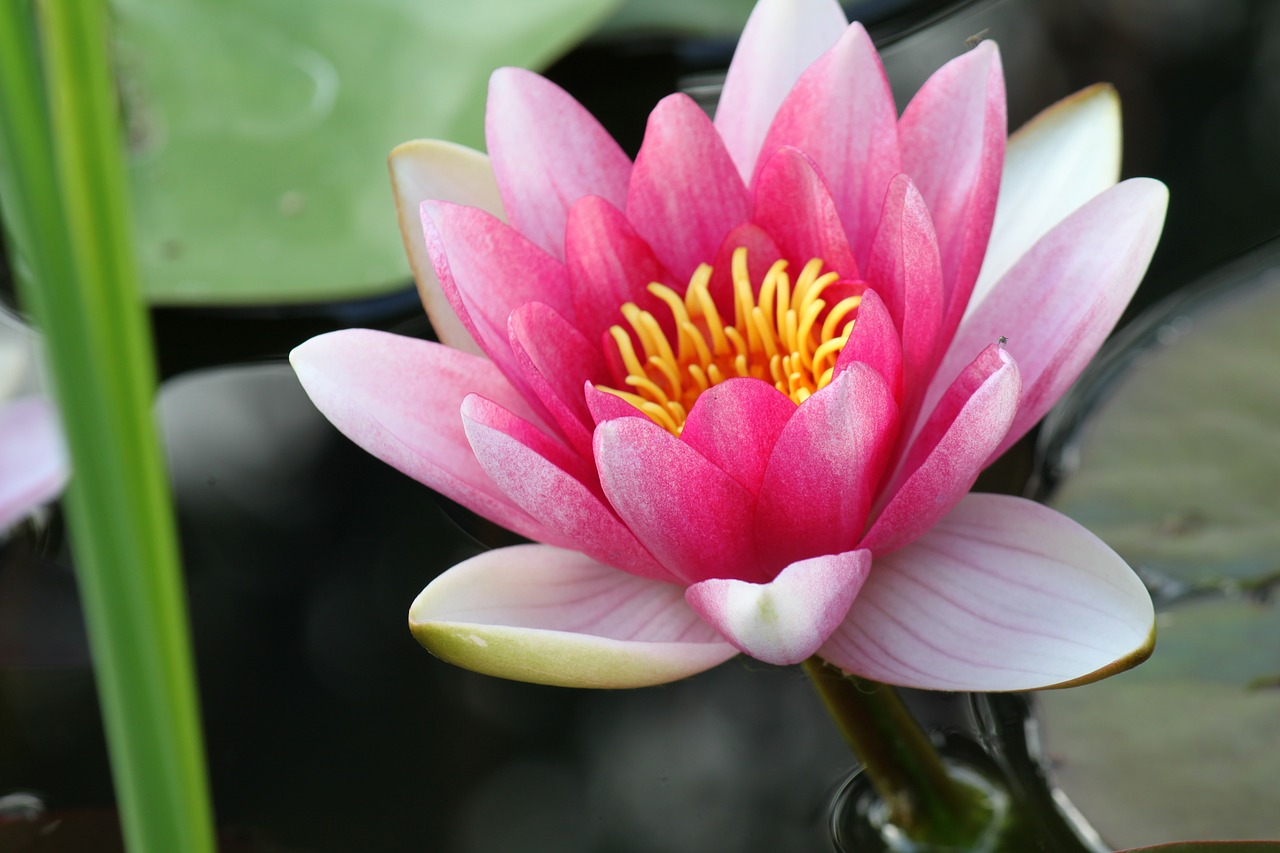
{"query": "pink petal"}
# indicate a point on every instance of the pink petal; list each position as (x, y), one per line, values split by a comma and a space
(544, 615)
(795, 207)
(1058, 304)
(781, 39)
(841, 113)
(547, 152)
(399, 398)
(953, 137)
(1002, 594)
(874, 342)
(33, 460)
(786, 620)
(432, 169)
(950, 452)
(553, 485)
(691, 515)
(685, 192)
(605, 406)
(825, 468)
(735, 425)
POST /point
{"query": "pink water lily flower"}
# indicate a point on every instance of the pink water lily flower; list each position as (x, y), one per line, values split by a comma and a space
(738, 389)
(33, 460)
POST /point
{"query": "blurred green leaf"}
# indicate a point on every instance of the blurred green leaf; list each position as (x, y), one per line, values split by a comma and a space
(259, 130)
(1211, 847)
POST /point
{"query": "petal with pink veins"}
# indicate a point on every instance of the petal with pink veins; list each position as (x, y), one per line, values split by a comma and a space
(781, 39)
(825, 468)
(786, 620)
(1058, 304)
(685, 192)
(432, 169)
(547, 152)
(952, 449)
(735, 425)
(1002, 594)
(370, 386)
(549, 616)
(793, 204)
(33, 459)
(553, 485)
(1053, 164)
(841, 113)
(692, 516)
(953, 138)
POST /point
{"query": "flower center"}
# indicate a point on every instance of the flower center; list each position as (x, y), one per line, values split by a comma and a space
(781, 333)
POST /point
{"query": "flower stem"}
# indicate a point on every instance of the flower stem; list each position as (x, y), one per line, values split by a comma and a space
(925, 801)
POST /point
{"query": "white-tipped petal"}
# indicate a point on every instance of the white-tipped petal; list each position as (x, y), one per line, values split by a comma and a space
(33, 459)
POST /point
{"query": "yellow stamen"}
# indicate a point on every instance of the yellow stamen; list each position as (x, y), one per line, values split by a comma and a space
(782, 333)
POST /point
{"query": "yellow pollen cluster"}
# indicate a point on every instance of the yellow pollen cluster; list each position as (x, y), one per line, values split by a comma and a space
(779, 334)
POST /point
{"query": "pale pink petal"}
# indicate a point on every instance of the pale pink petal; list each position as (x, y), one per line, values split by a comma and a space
(781, 39)
(553, 485)
(399, 399)
(1053, 164)
(691, 515)
(547, 152)
(33, 458)
(784, 621)
(685, 192)
(825, 468)
(549, 616)
(1002, 594)
(953, 137)
(1058, 304)
(793, 204)
(944, 461)
(735, 425)
(841, 113)
(874, 342)
(432, 169)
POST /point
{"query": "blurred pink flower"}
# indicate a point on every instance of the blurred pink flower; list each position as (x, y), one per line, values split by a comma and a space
(739, 389)
(33, 462)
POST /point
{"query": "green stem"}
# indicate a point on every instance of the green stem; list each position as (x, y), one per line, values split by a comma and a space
(62, 189)
(924, 800)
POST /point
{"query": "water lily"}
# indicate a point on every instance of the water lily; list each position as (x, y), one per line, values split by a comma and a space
(33, 462)
(737, 390)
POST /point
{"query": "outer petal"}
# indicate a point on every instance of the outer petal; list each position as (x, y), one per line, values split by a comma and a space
(33, 460)
(371, 386)
(781, 39)
(547, 616)
(691, 515)
(1003, 594)
(1054, 163)
(432, 169)
(685, 192)
(548, 151)
(735, 425)
(841, 113)
(953, 138)
(793, 204)
(552, 485)
(786, 620)
(946, 458)
(1058, 304)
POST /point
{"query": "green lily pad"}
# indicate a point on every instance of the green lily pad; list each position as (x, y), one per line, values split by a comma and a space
(259, 130)
(1176, 456)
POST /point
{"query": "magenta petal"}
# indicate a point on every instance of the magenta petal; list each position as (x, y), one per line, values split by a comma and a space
(548, 616)
(370, 385)
(825, 468)
(793, 204)
(691, 515)
(33, 459)
(841, 113)
(786, 620)
(735, 425)
(781, 39)
(953, 137)
(685, 192)
(552, 485)
(547, 152)
(1002, 594)
(1058, 304)
(874, 342)
(952, 449)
